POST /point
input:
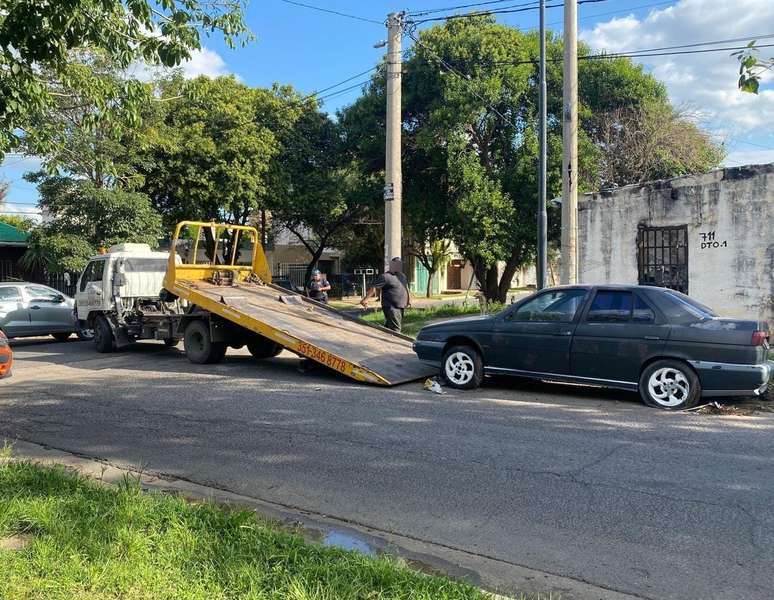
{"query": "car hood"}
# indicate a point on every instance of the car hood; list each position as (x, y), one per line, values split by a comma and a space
(477, 322)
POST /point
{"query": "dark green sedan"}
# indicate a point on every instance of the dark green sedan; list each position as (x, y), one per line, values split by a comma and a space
(657, 341)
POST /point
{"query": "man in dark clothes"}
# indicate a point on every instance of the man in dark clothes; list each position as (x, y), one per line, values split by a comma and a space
(395, 294)
(319, 287)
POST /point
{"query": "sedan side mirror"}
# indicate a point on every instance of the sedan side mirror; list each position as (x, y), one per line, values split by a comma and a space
(59, 299)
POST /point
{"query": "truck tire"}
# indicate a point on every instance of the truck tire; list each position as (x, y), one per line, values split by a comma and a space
(199, 347)
(103, 335)
(261, 347)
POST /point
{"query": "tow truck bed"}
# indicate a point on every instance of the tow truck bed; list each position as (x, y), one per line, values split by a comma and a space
(353, 347)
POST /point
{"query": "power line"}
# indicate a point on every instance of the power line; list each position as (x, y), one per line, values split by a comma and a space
(636, 53)
(333, 12)
(436, 10)
(457, 74)
(516, 8)
(343, 90)
(613, 12)
(343, 81)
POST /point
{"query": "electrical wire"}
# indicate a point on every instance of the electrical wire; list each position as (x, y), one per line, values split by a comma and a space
(500, 11)
(456, 73)
(343, 90)
(343, 81)
(437, 10)
(333, 12)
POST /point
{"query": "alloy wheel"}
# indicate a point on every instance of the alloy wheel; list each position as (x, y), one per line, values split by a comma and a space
(669, 387)
(459, 368)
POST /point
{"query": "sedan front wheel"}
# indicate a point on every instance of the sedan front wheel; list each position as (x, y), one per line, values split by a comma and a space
(462, 368)
(670, 385)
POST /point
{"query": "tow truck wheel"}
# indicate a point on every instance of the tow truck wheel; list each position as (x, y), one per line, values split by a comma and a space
(103, 335)
(261, 347)
(199, 347)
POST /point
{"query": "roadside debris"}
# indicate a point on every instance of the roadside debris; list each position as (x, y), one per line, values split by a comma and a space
(432, 385)
(740, 409)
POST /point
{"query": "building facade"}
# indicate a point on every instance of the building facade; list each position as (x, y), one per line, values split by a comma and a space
(710, 236)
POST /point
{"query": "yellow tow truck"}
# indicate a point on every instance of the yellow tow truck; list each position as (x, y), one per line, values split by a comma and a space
(218, 293)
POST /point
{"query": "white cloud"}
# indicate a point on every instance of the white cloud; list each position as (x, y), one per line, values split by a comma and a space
(205, 62)
(703, 82)
(202, 62)
(737, 157)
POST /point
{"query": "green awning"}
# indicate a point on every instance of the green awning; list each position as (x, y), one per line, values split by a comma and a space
(9, 234)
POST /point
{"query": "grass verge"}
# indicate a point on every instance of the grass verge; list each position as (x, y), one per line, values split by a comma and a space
(83, 540)
(416, 318)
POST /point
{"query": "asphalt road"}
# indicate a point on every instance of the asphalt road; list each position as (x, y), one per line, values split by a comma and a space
(572, 481)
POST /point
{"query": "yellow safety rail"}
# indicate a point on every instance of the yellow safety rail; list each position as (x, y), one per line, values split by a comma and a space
(245, 301)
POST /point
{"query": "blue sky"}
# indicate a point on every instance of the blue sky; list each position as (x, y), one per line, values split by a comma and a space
(312, 50)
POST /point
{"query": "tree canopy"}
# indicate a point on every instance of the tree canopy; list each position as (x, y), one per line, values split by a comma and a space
(37, 41)
(212, 149)
(470, 137)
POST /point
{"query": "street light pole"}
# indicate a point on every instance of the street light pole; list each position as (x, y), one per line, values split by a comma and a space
(542, 218)
(570, 145)
(393, 178)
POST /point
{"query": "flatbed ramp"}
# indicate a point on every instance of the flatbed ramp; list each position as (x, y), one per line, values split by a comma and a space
(352, 347)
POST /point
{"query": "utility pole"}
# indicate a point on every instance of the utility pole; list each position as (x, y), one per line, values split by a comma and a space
(542, 218)
(393, 178)
(570, 144)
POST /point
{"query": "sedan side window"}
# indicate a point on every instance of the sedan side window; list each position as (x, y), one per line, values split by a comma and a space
(618, 306)
(642, 313)
(43, 294)
(557, 306)
(610, 307)
(10, 294)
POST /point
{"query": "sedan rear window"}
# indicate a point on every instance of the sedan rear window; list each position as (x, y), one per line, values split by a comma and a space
(680, 305)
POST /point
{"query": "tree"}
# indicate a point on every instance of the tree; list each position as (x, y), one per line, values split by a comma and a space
(318, 190)
(470, 113)
(52, 252)
(19, 222)
(652, 141)
(213, 148)
(752, 68)
(37, 40)
(85, 217)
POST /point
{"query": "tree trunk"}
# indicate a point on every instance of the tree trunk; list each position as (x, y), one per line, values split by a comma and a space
(430, 274)
(513, 263)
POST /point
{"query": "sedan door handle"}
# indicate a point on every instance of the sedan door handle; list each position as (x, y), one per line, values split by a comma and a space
(564, 333)
(652, 337)
(35, 307)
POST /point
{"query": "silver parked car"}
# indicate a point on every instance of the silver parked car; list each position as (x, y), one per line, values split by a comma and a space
(32, 309)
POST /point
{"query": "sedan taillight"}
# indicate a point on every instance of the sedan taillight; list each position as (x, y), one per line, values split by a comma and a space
(760, 338)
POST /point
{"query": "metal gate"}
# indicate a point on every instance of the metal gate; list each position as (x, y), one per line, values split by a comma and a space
(662, 257)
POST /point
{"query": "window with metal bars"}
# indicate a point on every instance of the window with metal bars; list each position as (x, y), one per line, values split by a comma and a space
(662, 257)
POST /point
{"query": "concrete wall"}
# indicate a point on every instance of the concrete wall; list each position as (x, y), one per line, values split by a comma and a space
(730, 218)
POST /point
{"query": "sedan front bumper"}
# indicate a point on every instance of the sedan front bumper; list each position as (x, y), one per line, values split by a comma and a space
(430, 353)
(728, 379)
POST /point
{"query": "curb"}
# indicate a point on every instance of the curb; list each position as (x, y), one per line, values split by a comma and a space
(493, 576)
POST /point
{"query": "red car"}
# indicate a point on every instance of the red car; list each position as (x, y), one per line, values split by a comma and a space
(6, 356)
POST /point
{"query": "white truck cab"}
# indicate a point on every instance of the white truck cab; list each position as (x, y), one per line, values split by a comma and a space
(117, 289)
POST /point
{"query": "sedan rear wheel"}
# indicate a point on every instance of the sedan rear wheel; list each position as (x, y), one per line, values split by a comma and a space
(670, 385)
(462, 368)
